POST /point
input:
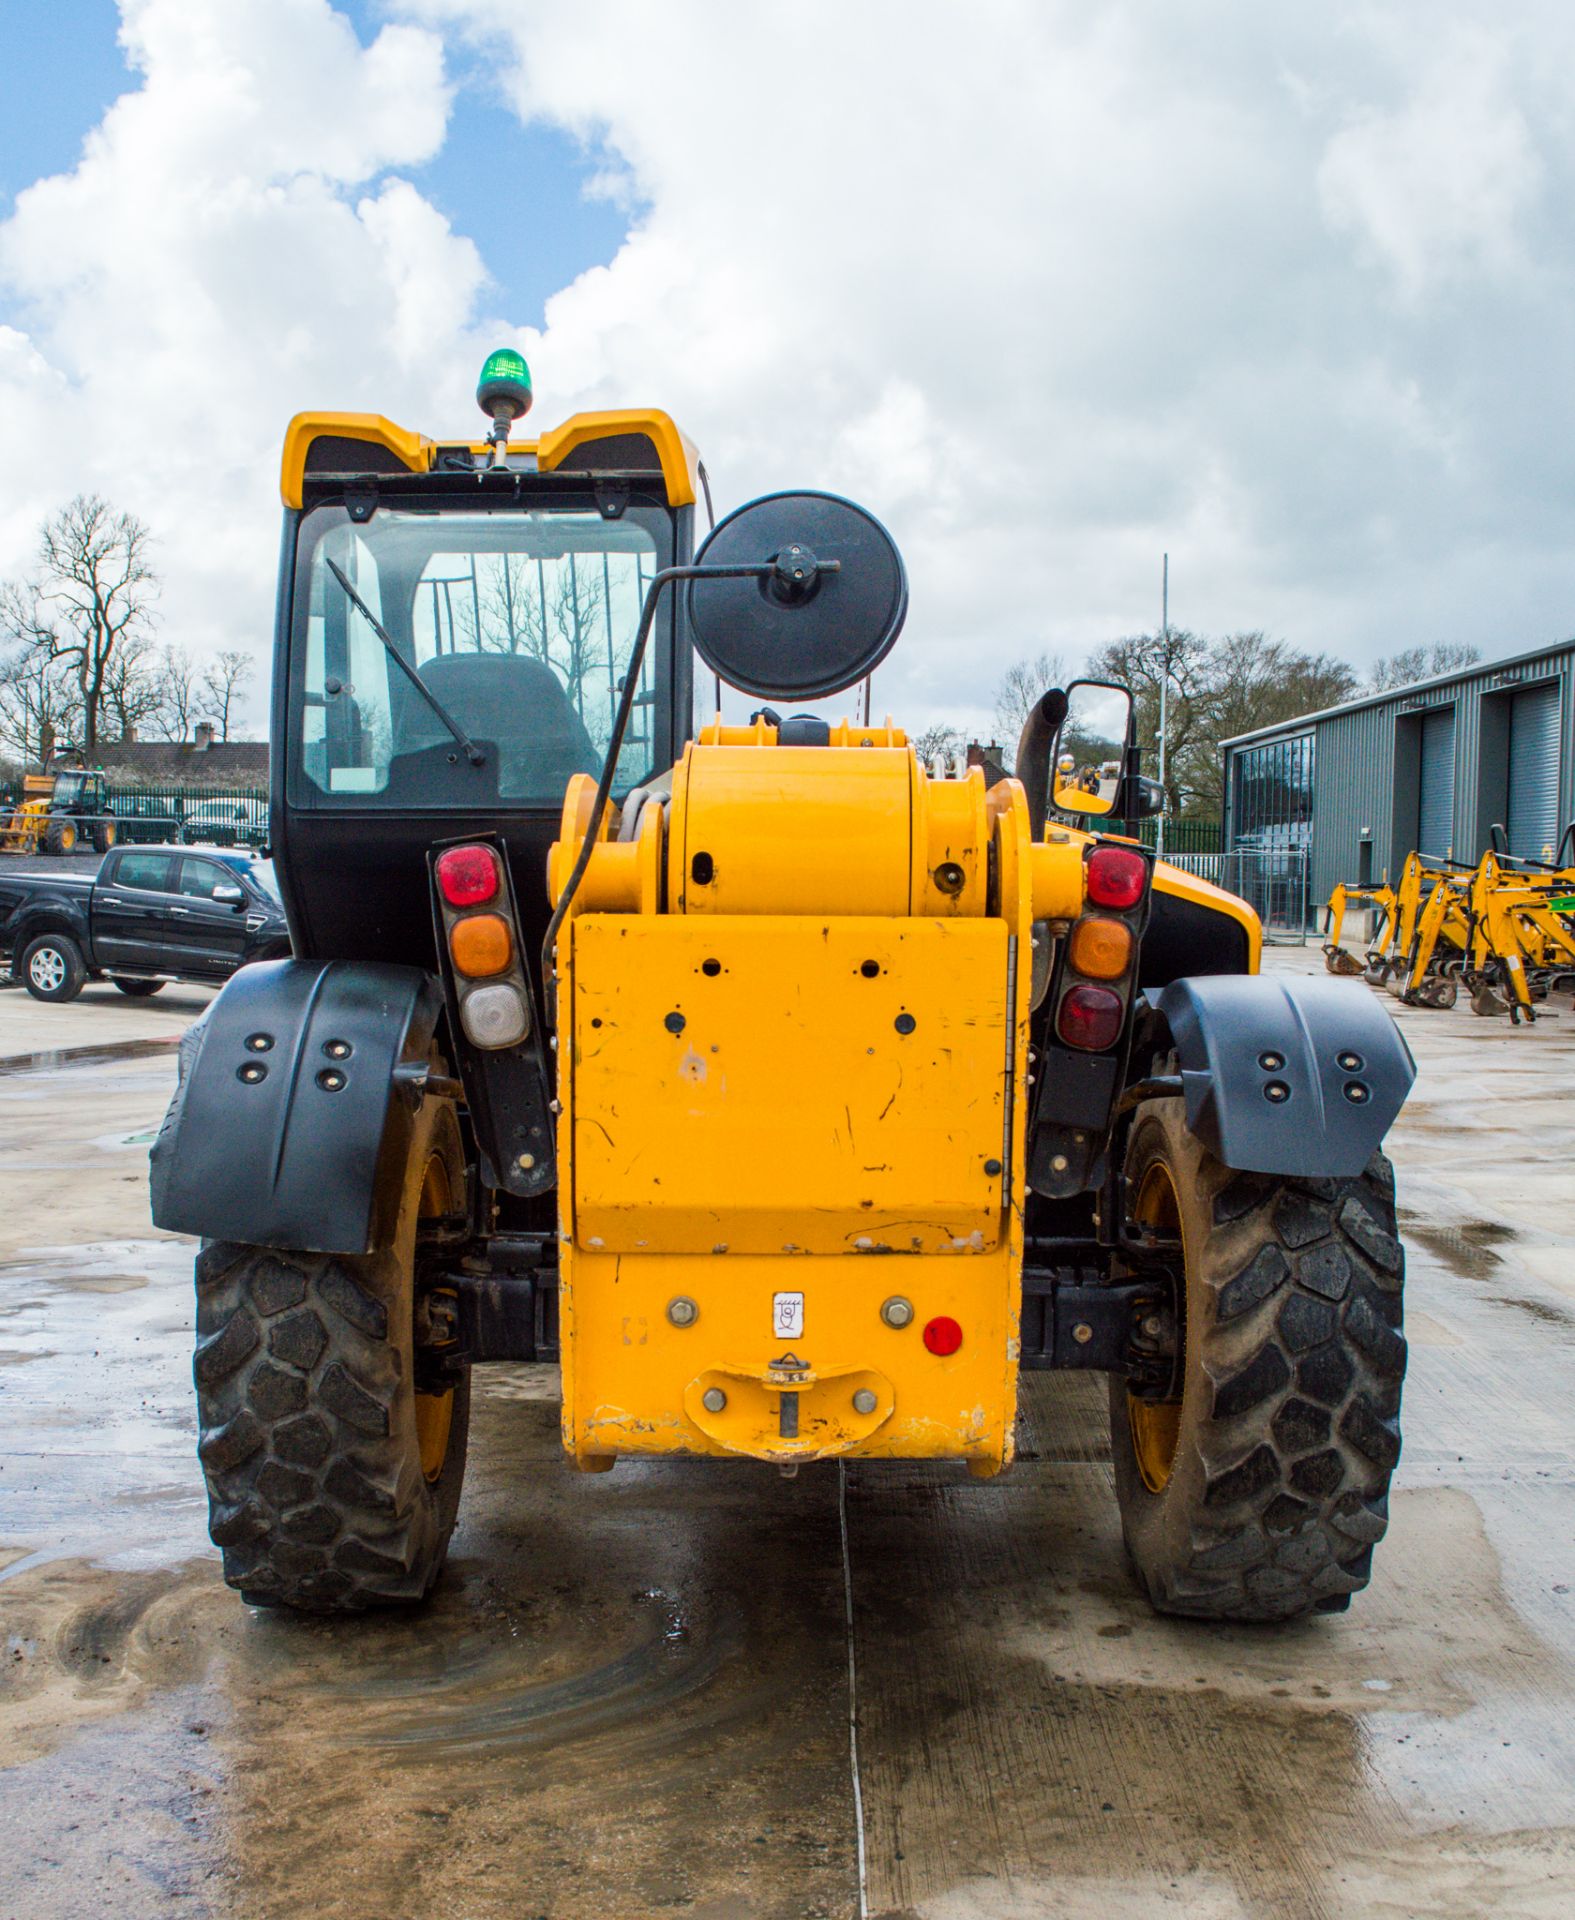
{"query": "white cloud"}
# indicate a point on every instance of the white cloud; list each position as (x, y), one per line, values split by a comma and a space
(1055, 287)
(228, 250)
(1437, 185)
(1051, 287)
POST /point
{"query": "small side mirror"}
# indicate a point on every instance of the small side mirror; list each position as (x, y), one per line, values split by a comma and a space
(1091, 751)
(227, 894)
(1150, 797)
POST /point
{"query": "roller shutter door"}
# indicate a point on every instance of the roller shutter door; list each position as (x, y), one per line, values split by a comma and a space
(1533, 771)
(1436, 806)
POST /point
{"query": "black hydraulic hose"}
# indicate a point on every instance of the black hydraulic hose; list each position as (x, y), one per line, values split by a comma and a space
(1034, 746)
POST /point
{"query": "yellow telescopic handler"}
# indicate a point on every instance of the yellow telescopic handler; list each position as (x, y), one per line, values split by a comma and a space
(793, 1099)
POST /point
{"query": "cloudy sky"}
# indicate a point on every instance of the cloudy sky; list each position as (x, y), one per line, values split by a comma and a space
(1052, 287)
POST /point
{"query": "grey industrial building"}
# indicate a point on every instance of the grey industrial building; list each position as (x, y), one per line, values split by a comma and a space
(1430, 766)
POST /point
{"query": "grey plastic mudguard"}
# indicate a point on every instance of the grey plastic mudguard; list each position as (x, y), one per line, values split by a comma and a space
(1331, 1117)
(288, 1158)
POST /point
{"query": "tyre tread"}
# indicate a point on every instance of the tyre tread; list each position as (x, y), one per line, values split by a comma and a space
(312, 1500)
(1302, 1344)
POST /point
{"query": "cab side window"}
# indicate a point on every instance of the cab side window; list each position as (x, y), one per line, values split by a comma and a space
(144, 872)
(198, 878)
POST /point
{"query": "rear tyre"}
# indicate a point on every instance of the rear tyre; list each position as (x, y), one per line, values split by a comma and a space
(141, 989)
(1260, 1494)
(333, 1485)
(52, 967)
(103, 836)
(60, 837)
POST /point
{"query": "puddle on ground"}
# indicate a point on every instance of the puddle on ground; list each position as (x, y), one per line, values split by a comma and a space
(1535, 1310)
(1466, 1251)
(1007, 1722)
(625, 1696)
(102, 1054)
(100, 1427)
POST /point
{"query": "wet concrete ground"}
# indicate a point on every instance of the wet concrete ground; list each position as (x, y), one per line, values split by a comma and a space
(631, 1695)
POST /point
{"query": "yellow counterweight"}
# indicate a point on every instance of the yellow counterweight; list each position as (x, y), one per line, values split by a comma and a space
(792, 1086)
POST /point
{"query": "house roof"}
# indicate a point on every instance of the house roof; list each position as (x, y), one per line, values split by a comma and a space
(226, 763)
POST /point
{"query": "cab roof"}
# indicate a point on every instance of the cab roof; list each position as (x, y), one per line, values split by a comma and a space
(627, 441)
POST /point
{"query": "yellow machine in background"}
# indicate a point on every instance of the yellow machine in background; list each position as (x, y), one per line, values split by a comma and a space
(1505, 930)
(60, 807)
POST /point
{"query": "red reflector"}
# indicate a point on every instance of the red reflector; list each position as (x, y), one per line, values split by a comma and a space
(943, 1335)
(468, 875)
(1115, 877)
(1090, 1018)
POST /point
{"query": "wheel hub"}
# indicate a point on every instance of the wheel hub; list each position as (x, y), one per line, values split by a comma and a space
(47, 971)
(1156, 1424)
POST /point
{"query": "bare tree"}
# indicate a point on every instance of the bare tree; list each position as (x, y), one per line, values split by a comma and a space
(1256, 682)
(1410, 664)
(131, 689)
(1180, 662)
(1020, 687)
(939, 739)
(222, 684)
(94, 590)
(40, 706)
(175, 683)
(1216, 688)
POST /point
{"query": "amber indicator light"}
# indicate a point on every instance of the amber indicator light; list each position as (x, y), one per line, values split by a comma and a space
(481, 945)
(1100, 949)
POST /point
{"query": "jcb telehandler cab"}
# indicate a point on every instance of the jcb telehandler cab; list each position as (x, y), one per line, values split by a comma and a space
(793, 1099)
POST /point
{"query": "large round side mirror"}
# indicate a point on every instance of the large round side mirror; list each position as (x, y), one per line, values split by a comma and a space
(827, 613)
(1091, 751)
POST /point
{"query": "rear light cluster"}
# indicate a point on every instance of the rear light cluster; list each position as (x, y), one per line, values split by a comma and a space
(483, 945)
(1097, 980)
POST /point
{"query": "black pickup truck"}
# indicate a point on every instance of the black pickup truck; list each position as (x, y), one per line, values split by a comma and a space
(150, 915)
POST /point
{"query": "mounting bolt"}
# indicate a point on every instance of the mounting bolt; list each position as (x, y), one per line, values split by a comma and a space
(683, 1312)
(896, 1311)
(1153, 1326)
(1082, 1333)
(1058, 1163)
(713, 1399)
(525, 1162)
(864, 1401)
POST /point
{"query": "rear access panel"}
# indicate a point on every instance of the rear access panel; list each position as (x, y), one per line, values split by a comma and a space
(757, 1084)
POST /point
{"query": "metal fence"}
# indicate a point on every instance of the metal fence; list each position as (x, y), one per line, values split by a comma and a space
(145, 814)
(1184, 837)
(1274, 883)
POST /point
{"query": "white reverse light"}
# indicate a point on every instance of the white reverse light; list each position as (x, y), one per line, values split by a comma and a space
(494, 1016)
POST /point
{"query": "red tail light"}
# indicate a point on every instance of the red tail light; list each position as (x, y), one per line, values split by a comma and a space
(468, 876)
(942, 1335)
(1115, 877)
(1089, 1018)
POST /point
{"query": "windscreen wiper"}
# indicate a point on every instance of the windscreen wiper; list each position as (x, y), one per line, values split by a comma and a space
(473, 753)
